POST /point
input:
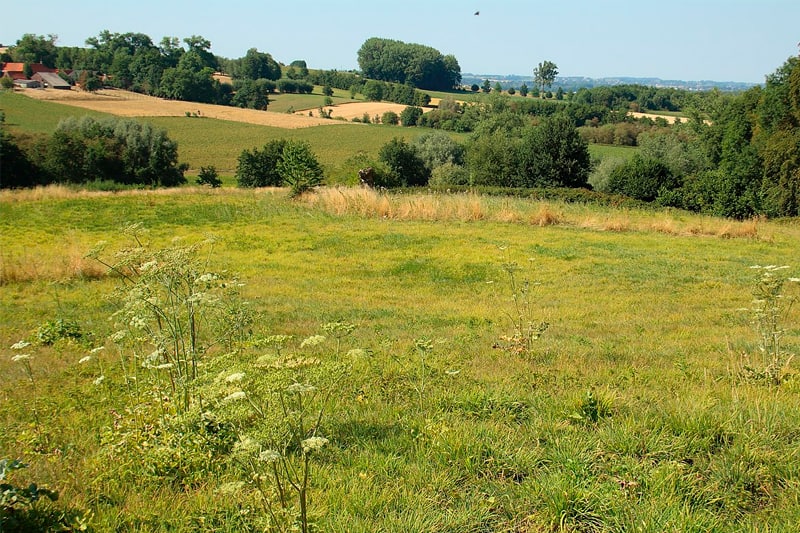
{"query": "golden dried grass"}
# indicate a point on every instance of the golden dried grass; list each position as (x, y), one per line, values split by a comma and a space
(367, 202)
(71, 265)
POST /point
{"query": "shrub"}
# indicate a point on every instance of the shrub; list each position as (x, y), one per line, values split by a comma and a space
(209, 176)
(406, 167)
(390, 117)
(449, 174)
(299, 168)
(258, 168)
(410, 115)
(641, 178)
(279, 162)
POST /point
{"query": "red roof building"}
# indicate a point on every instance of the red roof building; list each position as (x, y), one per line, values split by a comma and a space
(16, 71)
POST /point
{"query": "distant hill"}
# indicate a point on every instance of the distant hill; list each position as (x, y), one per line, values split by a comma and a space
(573, 83)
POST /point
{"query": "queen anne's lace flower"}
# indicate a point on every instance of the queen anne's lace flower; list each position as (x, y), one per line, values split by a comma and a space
(313, 444)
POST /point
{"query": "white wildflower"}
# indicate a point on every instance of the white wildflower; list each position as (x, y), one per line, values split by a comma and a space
(357, 352)
(313, 444)
(313, 340)
(233, 378)
(794, 280)
(117, 336)
(84, 359)
(164, 366)
(269, 456)
(148, 265)
(300, 388)
(452, 372)
(99, 380)
(246, 446)
(235, 396)
(207, 278)
(21, 345)
(98, 349)
(21, 357)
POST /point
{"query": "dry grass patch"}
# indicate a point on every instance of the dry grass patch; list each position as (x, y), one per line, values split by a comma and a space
(31, 266)
(469, 207)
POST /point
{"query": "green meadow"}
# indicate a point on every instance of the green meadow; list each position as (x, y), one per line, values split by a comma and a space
(355, 361)
(642, 406)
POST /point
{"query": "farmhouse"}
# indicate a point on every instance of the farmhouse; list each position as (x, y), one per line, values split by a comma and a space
(51, 80)
(16, 71)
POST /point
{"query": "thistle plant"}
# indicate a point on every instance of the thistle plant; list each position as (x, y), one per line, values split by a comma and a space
(768, 311)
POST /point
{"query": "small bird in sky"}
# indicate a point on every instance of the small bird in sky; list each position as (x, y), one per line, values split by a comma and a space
(477, 13)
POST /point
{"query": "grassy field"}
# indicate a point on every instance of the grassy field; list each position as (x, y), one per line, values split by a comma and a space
(634, 411)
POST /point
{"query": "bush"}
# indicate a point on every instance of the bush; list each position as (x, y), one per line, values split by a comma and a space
(279, 162)
(209, 176)
(438, 148)
(410, 115)
(259, 168)
(449, 174)
(407, 168)
(390, 117)
(641, 178)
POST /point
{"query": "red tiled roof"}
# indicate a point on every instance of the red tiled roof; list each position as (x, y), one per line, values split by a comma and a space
(12, 68)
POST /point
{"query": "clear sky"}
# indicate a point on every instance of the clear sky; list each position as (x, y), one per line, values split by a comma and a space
(719, 40)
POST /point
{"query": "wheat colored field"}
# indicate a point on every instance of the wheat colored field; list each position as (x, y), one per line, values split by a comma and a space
(129, 104)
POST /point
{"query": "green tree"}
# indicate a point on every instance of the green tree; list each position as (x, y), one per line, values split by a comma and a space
(390, 117)
(410, 115)
(252, 94)
(299, 168)
(202, 47)
(553, 154)
(257, 65)
(523, 90)
(395, 61)
(492, 159)
(487, 86)
(32, 48)
(545, 74)
(438, 148)
(405, 166)
(259, 168)
(498, 88)
(373, 90)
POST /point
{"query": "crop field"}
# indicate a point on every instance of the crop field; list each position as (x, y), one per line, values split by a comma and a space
(409, 362)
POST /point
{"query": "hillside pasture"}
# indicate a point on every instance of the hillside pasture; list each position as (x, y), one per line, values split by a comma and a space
(631, 412)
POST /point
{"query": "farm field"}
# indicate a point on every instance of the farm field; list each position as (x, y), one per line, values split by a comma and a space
(641, 406)
(205, 141)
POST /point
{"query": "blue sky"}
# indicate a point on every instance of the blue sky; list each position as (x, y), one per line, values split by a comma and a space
(720, 40)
